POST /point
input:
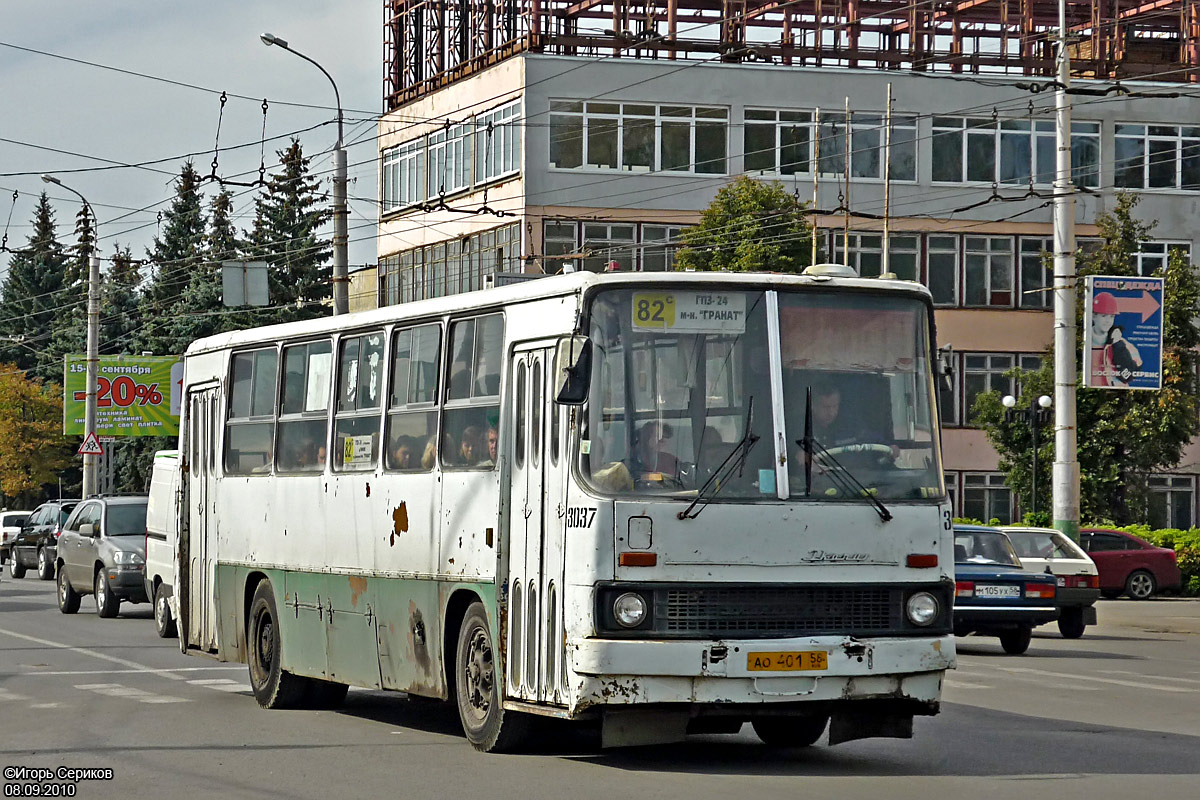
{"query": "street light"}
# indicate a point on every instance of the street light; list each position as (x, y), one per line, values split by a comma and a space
(93, 341)
(1037, 415)
(341, 296)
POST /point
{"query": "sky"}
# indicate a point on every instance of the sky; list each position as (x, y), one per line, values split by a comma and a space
(100, 121)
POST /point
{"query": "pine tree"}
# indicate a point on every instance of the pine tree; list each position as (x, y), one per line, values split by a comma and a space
(200, 311)
(69, 325)
(287, 219)
(177, 253)
(32, 295)
(121, 317)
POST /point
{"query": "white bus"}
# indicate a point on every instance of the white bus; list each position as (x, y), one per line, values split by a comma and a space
(672, 503)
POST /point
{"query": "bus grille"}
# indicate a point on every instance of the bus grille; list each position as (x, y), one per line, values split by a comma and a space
(779, 611)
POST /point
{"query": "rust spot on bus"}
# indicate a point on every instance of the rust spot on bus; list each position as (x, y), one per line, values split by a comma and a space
(399, 522)
(358, 585)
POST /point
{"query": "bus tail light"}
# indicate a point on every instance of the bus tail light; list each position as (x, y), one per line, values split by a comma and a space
(1042, 590)
(922, 560)
(638, 559)
(964, 589)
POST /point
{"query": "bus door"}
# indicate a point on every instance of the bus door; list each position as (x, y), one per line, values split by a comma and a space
(203, 425)
(535, 536)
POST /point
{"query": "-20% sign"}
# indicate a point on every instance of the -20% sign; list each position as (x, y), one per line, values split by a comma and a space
(123, 392)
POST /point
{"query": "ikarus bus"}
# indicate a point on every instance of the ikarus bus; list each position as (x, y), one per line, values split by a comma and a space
(666, 503)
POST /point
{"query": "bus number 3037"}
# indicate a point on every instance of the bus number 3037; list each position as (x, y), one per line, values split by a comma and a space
(580, 517)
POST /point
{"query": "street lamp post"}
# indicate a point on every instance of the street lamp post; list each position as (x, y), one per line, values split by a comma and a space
(93, 342)
(1037, 415)
(341, 289)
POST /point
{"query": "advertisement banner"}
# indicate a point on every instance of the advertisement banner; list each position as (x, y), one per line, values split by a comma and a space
(135, 395)
(1122, 332)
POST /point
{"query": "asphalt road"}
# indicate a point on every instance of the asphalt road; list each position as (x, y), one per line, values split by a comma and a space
(1113, 715)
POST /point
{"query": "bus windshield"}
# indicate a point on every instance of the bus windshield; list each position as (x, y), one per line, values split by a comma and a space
(681, 396)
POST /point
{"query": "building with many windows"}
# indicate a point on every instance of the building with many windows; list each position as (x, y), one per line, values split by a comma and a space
(548, 145)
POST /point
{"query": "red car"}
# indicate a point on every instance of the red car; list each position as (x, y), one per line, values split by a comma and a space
(1129, 565)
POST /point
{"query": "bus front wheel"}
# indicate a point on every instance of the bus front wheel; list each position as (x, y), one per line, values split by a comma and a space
(487, 725)
(273, 686)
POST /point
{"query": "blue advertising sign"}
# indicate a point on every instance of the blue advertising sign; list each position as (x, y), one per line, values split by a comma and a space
(1122, 333)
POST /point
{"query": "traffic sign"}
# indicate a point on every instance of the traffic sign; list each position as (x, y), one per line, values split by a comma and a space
(91, 446)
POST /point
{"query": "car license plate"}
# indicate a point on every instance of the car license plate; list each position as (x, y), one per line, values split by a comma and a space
(991, 590)
(787, 662)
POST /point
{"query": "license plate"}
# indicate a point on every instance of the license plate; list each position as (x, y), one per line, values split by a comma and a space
(787, 662)
(986, 590)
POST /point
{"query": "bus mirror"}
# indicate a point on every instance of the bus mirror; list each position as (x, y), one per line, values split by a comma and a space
(946, 368)
(574, 372)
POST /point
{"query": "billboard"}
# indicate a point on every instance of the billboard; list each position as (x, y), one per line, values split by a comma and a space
(135, 395)
(1122, 332)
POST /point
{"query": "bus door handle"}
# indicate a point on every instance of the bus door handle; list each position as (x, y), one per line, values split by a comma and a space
(528, 512)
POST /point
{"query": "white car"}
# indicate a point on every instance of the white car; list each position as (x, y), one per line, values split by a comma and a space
(1048, 550)
(10, 526)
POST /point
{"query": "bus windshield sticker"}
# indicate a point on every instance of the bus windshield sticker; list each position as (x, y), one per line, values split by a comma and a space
(690, 312)
(358, 450)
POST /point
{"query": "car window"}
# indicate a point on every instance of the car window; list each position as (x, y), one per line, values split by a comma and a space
(984, 547)
(126, 520)
(64, 511)
(1106, 542)
(1042, 544)
(13, 520)
(72, 523)
(37, 517)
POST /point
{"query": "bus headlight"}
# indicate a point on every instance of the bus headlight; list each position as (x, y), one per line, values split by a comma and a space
(922, 608)
(629, 610)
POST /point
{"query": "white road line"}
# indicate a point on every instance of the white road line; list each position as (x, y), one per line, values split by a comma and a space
(222, 685)
(44, 705)
(84, 651)
(117, 690)
(953, 684)
(1153, 677)
(7, 694)
(147, 671)
(1109, 681)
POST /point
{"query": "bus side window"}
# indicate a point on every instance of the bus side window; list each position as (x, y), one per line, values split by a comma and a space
(304, 408)
(472, 416)
(251, 424)
(359, 397)
(412, 405)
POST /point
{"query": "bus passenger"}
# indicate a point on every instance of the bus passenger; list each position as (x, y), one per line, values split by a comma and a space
(403, 455)
(492, 440)
(429, 457)
(468, 447)
(652, 449)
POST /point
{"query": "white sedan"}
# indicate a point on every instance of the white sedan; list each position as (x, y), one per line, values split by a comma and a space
(1048, 550)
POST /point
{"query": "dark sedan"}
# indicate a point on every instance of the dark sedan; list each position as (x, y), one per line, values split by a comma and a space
(37, 544)
(1129, 565)
(993, 594)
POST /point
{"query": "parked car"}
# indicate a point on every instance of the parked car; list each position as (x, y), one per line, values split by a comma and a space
(36, 544)
(10, 525)
(161, 527)
(1045, 549)
(993, 594)
(1130, 565)
(102, 551)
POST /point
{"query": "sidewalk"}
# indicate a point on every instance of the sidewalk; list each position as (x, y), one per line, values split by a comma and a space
(1158, 615)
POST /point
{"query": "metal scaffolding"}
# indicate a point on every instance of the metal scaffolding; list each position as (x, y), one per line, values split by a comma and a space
(430, 43)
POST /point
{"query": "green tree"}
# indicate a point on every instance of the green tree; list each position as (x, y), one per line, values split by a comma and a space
(200, 311)
(68, 332)
(1124, 436)
(287, 219)
(177, 253)
(32, 448)
(32, 294)
(121, 317)
(750, 226)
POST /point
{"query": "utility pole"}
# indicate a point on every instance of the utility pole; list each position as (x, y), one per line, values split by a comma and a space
(341, 272)
(1065, 486)
(93, 342)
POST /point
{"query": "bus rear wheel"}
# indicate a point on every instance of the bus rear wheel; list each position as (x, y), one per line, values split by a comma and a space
(273, 686)
(485, 722)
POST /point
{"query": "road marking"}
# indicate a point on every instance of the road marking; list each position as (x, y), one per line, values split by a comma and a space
(147, 671)
(222, 685)
(1110, 681)
(7, 694)
(965, 685)
(84, 651)
(1154, 677)
(117, 690)
(45, 705)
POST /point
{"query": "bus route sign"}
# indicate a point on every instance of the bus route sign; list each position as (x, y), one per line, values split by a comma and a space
(135, 395)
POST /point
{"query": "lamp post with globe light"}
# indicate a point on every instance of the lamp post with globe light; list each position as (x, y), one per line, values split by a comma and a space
(1037, 415)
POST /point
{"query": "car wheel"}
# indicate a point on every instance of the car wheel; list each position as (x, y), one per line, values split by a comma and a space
(1071, 624)
(14, 569)
(790, 731)
(1016, 642)
(108, 605)
(68, 598)
(273, 686)
(487, 725)
(45, 566)
(164, 623)
(1110, 594)
(1140, 585)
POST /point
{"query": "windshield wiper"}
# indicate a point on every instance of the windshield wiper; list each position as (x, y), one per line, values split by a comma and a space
(842, 478)
(735, 460)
